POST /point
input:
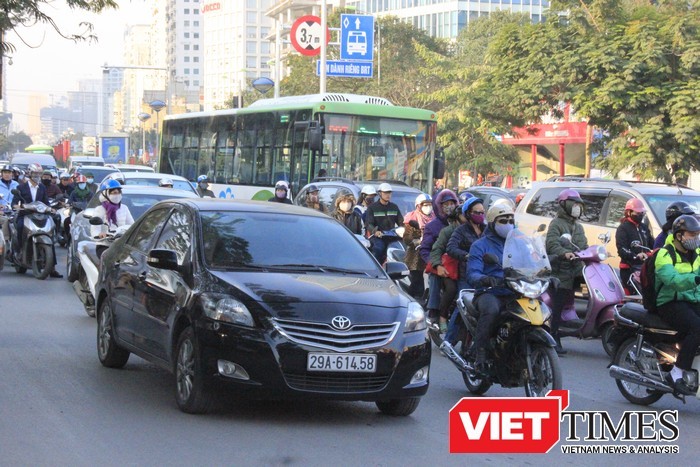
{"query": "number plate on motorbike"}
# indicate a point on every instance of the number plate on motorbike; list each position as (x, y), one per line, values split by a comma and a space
(348, 362)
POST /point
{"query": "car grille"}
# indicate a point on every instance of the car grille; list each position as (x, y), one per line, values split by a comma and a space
(322, 335)
(335, 383)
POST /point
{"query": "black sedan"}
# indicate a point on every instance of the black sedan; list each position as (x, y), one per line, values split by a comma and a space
(263, 299)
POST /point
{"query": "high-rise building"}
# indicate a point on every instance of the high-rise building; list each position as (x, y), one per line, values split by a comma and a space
(445, 18)
(36, 102)
(112, 80)
(183, 52)
(237, 47)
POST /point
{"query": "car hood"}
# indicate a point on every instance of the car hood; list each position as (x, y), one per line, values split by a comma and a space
(316, 296)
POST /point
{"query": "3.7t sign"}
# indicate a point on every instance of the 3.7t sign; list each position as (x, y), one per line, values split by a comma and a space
(507, 424)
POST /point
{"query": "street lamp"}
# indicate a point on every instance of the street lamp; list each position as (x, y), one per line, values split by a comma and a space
(157, 106)
(143, 116)
(262, 85)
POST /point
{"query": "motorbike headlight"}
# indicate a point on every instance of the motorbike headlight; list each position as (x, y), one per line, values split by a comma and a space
(602, 253)
(529, 289)
(415, 318)
(41, 208)
(226, 309)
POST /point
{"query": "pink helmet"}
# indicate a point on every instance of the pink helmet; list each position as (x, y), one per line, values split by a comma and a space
(569, 194)
(635, 205)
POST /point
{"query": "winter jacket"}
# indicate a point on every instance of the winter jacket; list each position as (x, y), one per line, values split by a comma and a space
(433, 228)
(383, 217)
(460, 242)
(477, 269)
(627, 232)
(440, 245)
(677, 281)
(412, 239)
(6, 191)
(275, 199)
(351, 220)
(565, 270)
(123, 218)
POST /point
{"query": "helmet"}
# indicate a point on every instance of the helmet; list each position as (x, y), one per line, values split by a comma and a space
(109, 185)
(34, 167)
(165, 182)
(496, 211)
(53, 173)
(569, 194)
(519, 198)
(385, 187)
(685, 223)
(423, 198)
(504, 202)
(675, 209)
(465, 195)
(202, 178)
(6, 168)
(368, 190)
(81, 179)
(282, 185)
(635, 205)
(311, 188)
(446, 195)
(65, 175)
(47, 172)
(469, 203)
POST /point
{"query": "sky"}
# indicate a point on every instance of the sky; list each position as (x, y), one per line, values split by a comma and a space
(53, 65)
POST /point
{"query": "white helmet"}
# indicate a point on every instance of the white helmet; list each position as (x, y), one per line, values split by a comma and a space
(385, 187)
(423, 198)
(368, 190)
(498, 210)
(165, 182)
(504, 202)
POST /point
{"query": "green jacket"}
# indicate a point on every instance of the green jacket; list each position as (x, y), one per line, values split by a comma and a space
(676, 281)
(440, 246)
(564, 270)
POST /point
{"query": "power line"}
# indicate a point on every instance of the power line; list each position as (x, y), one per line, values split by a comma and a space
(61, 119)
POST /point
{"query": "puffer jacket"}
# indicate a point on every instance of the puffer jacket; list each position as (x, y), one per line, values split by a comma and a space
(433, 228)
(677, 281)
(440, 245)
(627, 232)
(477, 269)
(459, 244)
(565, 270)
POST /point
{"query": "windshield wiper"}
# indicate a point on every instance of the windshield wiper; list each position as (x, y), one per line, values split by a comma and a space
(319, 268)
(254, 267)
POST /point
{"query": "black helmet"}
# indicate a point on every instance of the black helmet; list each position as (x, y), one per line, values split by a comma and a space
(678, 208)
(685, 223)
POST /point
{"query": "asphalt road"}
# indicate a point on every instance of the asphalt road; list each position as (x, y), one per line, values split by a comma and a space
(59, 406)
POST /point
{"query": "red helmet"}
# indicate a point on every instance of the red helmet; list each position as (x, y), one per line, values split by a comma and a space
(635, 205)
(569, 194)
(81, 179)
(519, 198)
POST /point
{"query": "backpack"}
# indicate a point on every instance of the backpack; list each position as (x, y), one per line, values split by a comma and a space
(647, 278)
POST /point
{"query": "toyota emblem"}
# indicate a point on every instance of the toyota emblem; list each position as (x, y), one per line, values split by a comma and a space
(341, 323)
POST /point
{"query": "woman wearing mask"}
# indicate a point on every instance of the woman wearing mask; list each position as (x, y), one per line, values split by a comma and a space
(368, 195)
(414, 223)
(112, 212)
(633, 239)
(344, 213)
(281, 190)
(564, 267)
(81, 194)
(313, 201)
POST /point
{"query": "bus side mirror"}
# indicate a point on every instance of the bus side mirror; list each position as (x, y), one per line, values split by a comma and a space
(315, 139)
(439, 168)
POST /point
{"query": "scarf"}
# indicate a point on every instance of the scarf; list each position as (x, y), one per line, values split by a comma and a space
(111, 209)
(418, 215)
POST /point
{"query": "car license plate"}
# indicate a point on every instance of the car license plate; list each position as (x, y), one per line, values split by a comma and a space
(350, 363)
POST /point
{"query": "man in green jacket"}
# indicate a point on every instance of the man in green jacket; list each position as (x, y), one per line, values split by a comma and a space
(678, 300)
(564, 267)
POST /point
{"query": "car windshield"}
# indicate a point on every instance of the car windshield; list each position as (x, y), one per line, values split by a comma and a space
(98, 174)
(405, 200)
(178, 184)
(137, 203)
(659, 203)
(249, 240)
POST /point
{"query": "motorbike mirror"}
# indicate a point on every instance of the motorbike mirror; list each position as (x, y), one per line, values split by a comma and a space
(396, 270)
(490, 258)
(604, 238)
(414, 223)
(542, 228)
(96, 221)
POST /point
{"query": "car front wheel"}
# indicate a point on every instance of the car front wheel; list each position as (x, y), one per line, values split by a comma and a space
(109, 353)
(191, 393)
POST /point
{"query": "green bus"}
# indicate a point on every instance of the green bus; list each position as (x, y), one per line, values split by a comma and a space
(244, 152)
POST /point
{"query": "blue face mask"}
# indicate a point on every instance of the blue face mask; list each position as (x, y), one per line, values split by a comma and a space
(82, 185)
(502, 230)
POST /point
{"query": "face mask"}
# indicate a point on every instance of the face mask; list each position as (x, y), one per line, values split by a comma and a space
(477, 218)
(36, 180)
(427, 210)
(203, 186)
(281, 193)
(115, 198)
(637, 217)
(345, 206)
(502, 230)
(90, 180)
(82, 185)
(313, 198)
(690, 243)
(576, 211)
(448, 210)
(46, 181)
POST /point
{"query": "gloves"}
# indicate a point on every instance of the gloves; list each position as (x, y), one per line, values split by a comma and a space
(554, 283)
(489, 281)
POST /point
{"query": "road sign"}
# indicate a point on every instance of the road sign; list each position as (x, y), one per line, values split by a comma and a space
(306, 35)
(357, 37)
(346, 69)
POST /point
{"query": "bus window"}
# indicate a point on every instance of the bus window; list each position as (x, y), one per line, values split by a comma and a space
(207, 147)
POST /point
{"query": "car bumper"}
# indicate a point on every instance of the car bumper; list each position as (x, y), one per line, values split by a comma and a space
(276, 367)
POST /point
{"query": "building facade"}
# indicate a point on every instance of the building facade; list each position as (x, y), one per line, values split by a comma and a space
(183, 52)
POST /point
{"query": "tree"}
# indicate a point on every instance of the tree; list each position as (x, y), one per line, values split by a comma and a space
(631, 68)
(19, 141)
(16, 14)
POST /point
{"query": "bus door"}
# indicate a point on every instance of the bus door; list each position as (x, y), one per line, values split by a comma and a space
(302, 163)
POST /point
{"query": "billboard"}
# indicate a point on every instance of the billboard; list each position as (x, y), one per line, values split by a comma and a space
(113, 149)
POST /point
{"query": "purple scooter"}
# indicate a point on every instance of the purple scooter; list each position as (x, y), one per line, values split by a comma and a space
(604, 292)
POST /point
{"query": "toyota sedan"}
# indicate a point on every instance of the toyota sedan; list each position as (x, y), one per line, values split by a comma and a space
(263, 300)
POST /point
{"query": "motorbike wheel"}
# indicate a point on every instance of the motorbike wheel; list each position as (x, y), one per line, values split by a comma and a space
(546, 371)
(475, 384)
(42, 264)
(71, 268)
(606, 337)
(109, 353)
(635, 393)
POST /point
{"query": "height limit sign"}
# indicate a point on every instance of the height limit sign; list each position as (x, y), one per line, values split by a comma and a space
(306, 35)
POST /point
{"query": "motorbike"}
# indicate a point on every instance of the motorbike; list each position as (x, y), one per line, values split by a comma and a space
(521, 350)
(396, 252)
(62, 212)
(5, 214)
(646, 355)
(37, 248)
(89, 253)
(604, 292)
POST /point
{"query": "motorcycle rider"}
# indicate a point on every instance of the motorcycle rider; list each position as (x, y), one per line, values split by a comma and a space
(90, 179)
(203, 187)
(281, 191)
(673, 212)
(66, 186)
(52, 190)
(367, 197)
(312, 200)
(382, 216)
(164, 183)
(112, 212)
(81, 194)
(344, 212)
(678, 299)
(632, 229)
(412, 236)
(7, 184)
(564, 267)
(488, 276)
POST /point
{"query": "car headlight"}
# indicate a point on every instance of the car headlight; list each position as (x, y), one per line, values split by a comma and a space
(415, 318)
(226, 309)
(529, 289)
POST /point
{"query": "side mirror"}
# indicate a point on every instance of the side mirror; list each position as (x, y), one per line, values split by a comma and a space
(542, 228)
(315, 139)
(604, 238)
(439, 168)
(396, 270)
(96, 221)
(163, 259)
(490, 258)
(88, 213)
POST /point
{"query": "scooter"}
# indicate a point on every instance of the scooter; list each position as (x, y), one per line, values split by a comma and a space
(37, 248)
(89, 253)
(4, 246)
(62, 208)
(604, 292)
